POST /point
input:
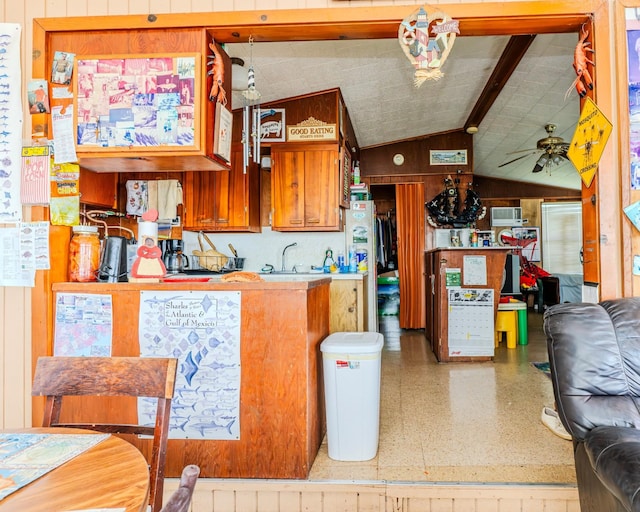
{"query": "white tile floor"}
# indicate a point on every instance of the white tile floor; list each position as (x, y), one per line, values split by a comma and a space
(460, 422)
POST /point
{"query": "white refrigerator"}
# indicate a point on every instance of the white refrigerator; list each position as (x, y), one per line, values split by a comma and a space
(361, 233)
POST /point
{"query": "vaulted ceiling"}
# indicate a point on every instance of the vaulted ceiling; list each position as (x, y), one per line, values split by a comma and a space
(376, 81)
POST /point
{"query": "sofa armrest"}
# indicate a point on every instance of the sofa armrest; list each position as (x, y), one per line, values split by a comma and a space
(594, 355)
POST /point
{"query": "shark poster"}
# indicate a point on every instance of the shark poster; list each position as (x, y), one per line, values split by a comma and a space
(202, 330)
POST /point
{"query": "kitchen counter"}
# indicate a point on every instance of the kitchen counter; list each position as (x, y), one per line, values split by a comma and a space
(281, 418)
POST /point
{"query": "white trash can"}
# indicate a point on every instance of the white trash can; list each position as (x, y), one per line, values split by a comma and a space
(351, 367)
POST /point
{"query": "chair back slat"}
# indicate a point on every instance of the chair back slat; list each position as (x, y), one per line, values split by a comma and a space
(105, 376)
(58, 377)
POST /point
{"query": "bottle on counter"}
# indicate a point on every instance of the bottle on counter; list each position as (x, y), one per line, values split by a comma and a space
(329, 265)
(474, 238)
(340, 261)
(353, 259)
(84, 254)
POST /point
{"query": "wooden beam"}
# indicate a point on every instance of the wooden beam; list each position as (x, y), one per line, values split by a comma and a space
(507, 64)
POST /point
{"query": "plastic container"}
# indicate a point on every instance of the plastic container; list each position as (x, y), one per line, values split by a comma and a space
(351, 369)
(84, 254)
(362, 258)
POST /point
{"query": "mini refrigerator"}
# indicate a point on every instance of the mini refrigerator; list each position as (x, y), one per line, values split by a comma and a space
(361, 232)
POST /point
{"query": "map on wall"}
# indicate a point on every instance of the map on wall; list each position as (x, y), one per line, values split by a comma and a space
(145, 101)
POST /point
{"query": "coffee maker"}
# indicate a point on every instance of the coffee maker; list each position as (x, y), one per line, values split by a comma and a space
(173, 258)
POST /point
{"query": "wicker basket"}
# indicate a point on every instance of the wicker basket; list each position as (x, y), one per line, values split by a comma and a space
(211, 259)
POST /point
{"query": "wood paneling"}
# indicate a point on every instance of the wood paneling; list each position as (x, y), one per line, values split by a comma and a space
(378, 160)
(281, 412)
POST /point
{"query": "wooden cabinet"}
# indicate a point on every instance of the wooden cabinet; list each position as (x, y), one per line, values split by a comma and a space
(223, 200)
(436, 263)
(98, 189)
(347, 305)
(184, 140)
(305, 185)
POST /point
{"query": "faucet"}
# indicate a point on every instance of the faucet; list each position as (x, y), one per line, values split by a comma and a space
(284, 269)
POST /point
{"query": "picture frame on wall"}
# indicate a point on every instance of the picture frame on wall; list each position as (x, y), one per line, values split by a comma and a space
(272, 125)
(448, 157)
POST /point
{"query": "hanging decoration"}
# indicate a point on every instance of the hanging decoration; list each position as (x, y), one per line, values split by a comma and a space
(583, 79)
(217, 92)
(427, 54)
(444, 209)
(251, 116)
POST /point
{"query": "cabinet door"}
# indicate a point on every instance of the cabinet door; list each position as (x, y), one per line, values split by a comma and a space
(287, 189)
(98, 189)
(321, 208)
(343, 306)
(223, 200)
(199, 198)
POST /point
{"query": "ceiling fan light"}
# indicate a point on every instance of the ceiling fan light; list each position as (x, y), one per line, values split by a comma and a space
(239, 75)
(542, 161)
(556, 159)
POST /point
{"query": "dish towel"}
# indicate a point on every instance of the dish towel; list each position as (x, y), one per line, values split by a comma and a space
(169, 197)
(152, 204)
(137, 197)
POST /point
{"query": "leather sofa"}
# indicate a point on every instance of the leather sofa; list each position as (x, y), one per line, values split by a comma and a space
(594, 355)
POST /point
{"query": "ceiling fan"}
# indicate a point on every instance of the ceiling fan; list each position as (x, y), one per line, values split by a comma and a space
(554, 149)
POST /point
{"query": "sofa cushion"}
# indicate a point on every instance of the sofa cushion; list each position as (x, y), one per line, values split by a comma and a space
(597, 382)
(614, 453)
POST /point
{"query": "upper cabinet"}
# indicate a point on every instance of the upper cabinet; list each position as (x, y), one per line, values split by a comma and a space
(140, 97)
(305, 188)
(311, 163)
(224, 200)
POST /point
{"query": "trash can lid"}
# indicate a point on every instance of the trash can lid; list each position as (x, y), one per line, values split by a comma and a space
(353, 342)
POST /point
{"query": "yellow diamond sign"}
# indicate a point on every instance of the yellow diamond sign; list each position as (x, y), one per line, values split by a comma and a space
(589, 140)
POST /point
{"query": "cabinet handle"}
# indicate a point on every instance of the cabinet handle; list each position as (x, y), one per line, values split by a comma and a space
(295, 221)
(351, 310)
(223, 221)
(314, 220)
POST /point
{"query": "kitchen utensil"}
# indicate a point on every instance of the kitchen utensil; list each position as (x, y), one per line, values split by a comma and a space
(233, 250)
(211, 259)
(234, 264)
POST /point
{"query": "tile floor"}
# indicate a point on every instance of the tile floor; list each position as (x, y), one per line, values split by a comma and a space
(460, 422)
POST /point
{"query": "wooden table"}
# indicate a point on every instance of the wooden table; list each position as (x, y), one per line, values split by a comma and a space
(112, 474)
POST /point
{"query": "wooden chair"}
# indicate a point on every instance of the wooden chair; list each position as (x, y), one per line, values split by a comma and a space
(56, 377)
(181, 498)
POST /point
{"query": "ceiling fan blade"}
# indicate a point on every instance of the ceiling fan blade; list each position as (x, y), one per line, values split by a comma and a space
(521, 151)
(515, 160)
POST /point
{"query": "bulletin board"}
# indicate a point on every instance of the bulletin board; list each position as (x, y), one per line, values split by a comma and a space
(146, 102)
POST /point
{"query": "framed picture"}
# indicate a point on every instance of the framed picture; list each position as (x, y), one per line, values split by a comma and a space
(448, 157)
(272, 125)
(222, 134)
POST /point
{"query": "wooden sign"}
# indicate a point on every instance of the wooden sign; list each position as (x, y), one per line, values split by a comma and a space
(312, 129)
